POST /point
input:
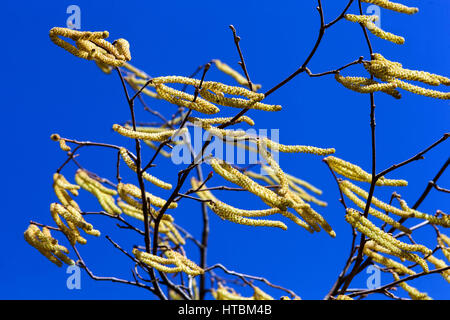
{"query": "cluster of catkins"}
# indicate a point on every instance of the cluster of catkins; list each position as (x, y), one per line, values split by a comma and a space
(392, 73)
(380, 242)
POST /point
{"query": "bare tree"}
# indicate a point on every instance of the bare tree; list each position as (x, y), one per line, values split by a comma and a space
(378, 227)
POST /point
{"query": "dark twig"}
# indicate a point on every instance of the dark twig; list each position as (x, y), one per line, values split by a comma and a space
(244, 277)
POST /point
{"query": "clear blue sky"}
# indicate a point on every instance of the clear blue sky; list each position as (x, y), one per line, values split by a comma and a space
(47, 90)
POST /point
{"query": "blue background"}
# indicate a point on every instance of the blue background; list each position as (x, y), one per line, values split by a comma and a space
(46, 90)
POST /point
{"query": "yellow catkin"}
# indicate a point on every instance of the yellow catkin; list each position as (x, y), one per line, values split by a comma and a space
(53, 246)
(383, 239)
(174, 296)
(422, 91)
(305, 210)
(444, 243)
(348, 186)
(64, 197)
(211, 85)
(258, 294)
(72, 216)
(130, 210)
(292, 186)
(360, 18)
(236, 215)
(222, 120)
(287, 298)
(92, 46)
(61, 181)
(372, 245)
(259, 176)
(123, 46)
(223, 133)
(380, 33)
(343, 297)
(387, 70)
(229, 173)
(367, 85)
(137, 84)
(354, 172)
(182, 263)
(412, 292)
(194, 268)
(139, 73)
(225, 68)
(373, 212)
(375, 201)
(64, 146)
(298, 221)
(296, 148)
(445, 239)
(396, 266)
(47, 240)
(393, 251)
(166, 227)
(126, 190)
(171, 231)
(186, 100)
(70, 231)
(392, 72)
(77, 234)
(103, 194)
(31, 239)
(280, 175)
(47, 245)
(300, 207)
(103, 47)
(130, 163)
(438, 263)
(104, 67)
(313, 219)
(225, 293)
(442, 221)
(271, 198)
(219, 98)
(404, 246)
(367, 21)
(154, 147)
(241, 144)
(147, 129)
(393, 246)
(304, 183)
(157, 136)
(306, 196)
(211, 92)
(85, 177)
(161, 267)
(393, 6)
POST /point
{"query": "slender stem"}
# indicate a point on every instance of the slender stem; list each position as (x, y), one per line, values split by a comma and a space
(322, 29)
(145, 208)
(392, 284)
(359, 257)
